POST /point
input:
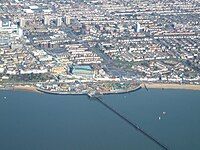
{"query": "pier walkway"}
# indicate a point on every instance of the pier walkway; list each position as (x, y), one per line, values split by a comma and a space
(132, 124)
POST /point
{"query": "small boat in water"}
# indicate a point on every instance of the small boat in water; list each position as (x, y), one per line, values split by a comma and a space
(4, 97)
(159, 118)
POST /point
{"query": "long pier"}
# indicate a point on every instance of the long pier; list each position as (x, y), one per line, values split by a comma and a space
(146, 87)
(133, 124)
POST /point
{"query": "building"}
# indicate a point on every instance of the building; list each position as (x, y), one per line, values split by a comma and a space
(22, 22)
(58, 70)
(67, 20)
(59, 21)
(84, 71)
(138, 27)
(4, 22)
(47, 20)
(9, 30)
(1, 23)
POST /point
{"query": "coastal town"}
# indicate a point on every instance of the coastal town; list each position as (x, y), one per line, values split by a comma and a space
(99, 46)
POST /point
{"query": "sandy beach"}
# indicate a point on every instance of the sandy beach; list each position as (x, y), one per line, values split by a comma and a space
(171, 86)
(30, 88)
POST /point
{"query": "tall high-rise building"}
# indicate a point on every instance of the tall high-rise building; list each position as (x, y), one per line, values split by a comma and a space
(22, 22)
(59, 21)
(47, 20)
(1, 23)
(138, 27)
(20, 32)
(67, 20)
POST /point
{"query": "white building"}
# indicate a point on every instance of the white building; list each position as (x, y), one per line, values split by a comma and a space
(138, 27)
(59, 21)
(22, 22)
(67, 20)
(9, 30)
(47, 20)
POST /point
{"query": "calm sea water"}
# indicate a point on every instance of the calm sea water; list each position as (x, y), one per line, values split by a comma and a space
(32, 121)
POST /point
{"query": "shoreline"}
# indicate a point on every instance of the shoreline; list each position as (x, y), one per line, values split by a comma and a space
(29, 88)
(32, 88)
(174, 86)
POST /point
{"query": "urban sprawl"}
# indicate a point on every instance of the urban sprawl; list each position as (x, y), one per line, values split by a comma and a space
(105, 46)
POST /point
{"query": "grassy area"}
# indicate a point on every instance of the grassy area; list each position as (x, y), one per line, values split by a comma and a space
(28, 78)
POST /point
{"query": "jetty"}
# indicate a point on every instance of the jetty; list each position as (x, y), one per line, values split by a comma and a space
(137, 127)
(146, 87)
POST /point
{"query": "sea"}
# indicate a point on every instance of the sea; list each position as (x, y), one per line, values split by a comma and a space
(36, 121)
